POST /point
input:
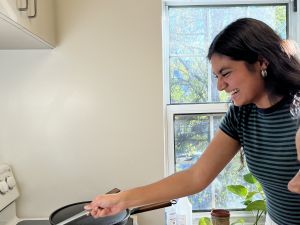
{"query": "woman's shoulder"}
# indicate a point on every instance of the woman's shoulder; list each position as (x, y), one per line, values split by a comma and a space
(233, 109)
(237, 114)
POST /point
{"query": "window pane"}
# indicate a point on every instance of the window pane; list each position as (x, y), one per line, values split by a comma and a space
(191, 30)
(192, 135)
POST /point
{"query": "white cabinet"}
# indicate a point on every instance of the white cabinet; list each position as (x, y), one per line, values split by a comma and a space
(27, 24)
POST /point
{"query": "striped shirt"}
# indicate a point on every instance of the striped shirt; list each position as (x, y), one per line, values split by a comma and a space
(267, 137)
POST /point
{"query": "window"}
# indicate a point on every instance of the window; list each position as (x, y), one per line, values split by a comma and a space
(194, 107)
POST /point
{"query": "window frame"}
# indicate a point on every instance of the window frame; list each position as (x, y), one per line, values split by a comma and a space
(173, 110)
(170, 110)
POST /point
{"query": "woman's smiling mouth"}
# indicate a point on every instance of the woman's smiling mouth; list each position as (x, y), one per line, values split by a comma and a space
(234, 93)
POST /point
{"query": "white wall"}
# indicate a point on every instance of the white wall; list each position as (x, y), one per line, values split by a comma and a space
(86, 116)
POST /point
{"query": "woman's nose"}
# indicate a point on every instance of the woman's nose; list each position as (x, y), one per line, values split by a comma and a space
(221, 85)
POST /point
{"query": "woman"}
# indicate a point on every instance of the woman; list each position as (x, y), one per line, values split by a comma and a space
(294, 184)
(251, 63)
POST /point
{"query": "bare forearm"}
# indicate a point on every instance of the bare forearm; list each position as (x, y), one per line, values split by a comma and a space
(174, 186)
(199, 176)
(219, 152)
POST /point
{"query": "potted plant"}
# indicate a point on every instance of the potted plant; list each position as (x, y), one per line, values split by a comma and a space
(250, 200)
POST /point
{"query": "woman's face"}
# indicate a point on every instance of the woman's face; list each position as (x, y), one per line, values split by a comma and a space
(244, 86)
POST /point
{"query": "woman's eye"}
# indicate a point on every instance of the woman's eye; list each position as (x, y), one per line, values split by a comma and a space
(222, 74)
(226, 74)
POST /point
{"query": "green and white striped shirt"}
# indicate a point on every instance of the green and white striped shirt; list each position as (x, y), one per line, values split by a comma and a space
(267, 137)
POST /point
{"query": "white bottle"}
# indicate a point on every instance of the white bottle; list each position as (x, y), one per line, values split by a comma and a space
(184, 212)
(171, 215)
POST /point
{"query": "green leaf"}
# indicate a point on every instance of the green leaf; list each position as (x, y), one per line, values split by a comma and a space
(204, 221)
(240, 221)
(247, 202)
(250, 195)
(259, 187)
(249, 178)
(257, 205)
(239, 190)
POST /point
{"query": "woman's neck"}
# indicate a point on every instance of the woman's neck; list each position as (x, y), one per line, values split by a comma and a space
(268, 101)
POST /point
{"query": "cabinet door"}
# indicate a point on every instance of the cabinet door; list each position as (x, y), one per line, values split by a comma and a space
(35, 16)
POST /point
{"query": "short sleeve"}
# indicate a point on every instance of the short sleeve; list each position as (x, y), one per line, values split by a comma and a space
(229, 123)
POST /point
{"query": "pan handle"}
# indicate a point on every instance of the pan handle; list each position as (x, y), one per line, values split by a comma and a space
(153, 206)
(113, 191)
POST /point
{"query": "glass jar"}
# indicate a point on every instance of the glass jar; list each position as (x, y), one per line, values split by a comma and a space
(220, 217)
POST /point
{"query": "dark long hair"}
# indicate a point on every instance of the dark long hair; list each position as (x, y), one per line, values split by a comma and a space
(249, 40)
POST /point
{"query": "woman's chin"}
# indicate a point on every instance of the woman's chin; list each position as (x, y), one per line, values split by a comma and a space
(237, 103)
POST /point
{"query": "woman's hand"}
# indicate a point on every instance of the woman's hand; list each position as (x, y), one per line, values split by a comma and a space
(294, 184)
(105, 205)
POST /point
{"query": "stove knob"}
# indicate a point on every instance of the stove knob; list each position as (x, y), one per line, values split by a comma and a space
(11, 182)
(3, 187)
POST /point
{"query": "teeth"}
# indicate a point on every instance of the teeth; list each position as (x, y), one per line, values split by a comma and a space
(234, 91)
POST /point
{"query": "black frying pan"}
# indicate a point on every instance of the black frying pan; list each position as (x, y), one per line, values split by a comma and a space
(121, 218)
(66, 214)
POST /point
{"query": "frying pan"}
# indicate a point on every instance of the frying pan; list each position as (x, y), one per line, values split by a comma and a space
(69, 214)
(119, 219)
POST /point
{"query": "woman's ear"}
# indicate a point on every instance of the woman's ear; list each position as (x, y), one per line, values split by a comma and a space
(263, 62)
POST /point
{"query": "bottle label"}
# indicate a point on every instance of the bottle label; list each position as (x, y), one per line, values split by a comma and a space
(171, 218)
(172, 221)
(181, 220)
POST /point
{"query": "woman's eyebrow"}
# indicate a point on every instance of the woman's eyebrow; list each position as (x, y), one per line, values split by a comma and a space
(221, 70)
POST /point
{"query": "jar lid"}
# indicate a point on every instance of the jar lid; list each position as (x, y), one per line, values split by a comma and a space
(220, 213)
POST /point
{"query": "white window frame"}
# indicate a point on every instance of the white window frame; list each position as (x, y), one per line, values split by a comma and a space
(170, 111)
(173, 110)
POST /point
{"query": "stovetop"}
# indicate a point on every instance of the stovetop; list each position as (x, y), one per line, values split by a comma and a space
(46, 222)
(34, 222)
(8, 196)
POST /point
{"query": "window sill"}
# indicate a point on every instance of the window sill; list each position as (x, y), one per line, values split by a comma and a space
(249, 217)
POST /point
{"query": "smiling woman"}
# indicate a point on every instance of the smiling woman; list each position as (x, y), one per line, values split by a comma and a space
(234, 76)
(260, 119)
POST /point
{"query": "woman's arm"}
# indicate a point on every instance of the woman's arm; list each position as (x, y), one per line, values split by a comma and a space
(217, 155)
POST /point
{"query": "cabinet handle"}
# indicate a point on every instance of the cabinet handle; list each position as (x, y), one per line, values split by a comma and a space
(22, 8)
(34, 6)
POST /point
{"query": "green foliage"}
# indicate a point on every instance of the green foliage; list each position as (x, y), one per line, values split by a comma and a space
(240, 221)
(256, 205)
(204, 221)
(239, 190)
(251, 204)
(280, 22)
(207, 221)
(249, 178)
(224, 97)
